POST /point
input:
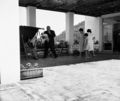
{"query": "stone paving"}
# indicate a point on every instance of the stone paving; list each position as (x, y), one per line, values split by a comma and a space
(93, 81)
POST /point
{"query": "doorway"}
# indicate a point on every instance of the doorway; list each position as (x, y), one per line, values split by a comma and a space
(116, 38)
(111, 33)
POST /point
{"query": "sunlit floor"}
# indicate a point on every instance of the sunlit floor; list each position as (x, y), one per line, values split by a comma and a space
(92, 81)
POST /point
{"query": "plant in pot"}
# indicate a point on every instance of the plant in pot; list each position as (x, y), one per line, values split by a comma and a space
(75, 48)
(30, 70)
(96, 46)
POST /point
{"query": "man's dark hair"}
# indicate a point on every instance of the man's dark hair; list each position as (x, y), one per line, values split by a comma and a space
(89, 30)
(81, 29)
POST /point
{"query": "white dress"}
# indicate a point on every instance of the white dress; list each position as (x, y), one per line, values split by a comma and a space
(90, 42)
(85, 44)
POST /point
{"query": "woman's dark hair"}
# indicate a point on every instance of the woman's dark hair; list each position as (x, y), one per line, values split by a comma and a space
(89, 30)
(81, 29)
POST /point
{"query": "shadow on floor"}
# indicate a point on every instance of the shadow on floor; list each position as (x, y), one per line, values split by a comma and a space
(69, 59)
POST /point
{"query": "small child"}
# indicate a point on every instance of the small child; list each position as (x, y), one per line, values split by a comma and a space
(85, 45)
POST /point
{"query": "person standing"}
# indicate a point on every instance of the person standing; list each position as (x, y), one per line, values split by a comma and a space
(91, 39)
(49, 44)
(85, 45)
(81, 39)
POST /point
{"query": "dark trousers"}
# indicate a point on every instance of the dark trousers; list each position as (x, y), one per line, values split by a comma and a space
(51, 46)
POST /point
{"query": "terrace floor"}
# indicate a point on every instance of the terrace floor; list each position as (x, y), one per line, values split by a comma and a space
(89, 81)
(69, 59)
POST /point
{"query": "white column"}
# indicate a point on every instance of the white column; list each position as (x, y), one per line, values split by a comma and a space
(95, 24)
(69, 28)
(100, 24)
(9, 41)
(31, 16)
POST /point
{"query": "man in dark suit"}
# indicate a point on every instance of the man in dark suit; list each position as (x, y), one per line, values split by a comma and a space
(49, 44)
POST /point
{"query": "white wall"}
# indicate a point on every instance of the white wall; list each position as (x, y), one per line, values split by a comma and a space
(9, 41)
(95, 24)
(92, 23)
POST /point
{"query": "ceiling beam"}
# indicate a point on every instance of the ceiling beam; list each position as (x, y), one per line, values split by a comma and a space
(110, 15)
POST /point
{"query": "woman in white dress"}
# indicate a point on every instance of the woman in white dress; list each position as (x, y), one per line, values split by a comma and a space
(91, 39)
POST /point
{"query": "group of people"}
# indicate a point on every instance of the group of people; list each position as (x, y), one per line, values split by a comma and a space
(87, 42)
